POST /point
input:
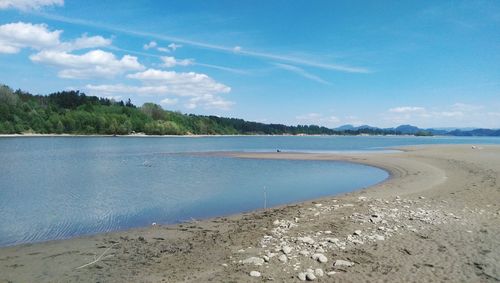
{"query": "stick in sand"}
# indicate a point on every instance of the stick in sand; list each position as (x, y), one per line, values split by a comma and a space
(97, 259)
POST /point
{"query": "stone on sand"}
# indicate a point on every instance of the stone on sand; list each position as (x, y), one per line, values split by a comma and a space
(253, 260)
(320, 257)
(340, 262)
(254, 273)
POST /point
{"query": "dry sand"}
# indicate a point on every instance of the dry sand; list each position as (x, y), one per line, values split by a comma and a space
(437, 219)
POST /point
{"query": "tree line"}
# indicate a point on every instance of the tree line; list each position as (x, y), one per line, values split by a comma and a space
(74, 112)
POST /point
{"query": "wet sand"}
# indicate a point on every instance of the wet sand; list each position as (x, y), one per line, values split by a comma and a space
(436, 219)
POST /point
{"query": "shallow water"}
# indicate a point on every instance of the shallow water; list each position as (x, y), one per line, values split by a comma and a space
(59, 187)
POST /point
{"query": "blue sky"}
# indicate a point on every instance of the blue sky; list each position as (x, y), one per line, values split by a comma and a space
(383, 63)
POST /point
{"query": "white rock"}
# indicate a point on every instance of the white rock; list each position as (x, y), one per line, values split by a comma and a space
(319, 272)
(286, 249)
(318, 205)
(309, 270)
(331, 273)
(320, 250)
(224, 264)
(265, 258)
(307, 240)
(302, 276)
(357, 232)
(320, 257)
(283, 258)
(310, 276)
(328, 232)
(340, 262)
(254, 273)
(253, 260)
(379, 237)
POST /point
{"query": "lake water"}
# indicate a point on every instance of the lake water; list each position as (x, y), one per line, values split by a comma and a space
(60, 187)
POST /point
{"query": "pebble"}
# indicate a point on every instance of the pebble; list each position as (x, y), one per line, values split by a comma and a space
(320, 257)
(310, 276)
(224, 264)
(302, 276)
(255, 273)
(253, 260)
(304, 253)
(265, 258)
(283, 258)
(340, 262)
(286, 249)
(357, 232)
(307, 240)
(319, 272)
(331, 273)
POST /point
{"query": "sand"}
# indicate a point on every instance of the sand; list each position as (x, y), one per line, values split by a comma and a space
(436, 219)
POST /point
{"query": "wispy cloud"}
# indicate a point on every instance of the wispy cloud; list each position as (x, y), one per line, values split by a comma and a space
(300, 72)
(215, 47)
(25, 5)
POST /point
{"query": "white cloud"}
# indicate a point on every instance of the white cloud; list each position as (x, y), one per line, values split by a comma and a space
(15, 36)
(85, 42)
(237, 49)
(169, 101)
(126, 89)
(301, 72)
(151, 44)
(407, 109)
(28, 4)
(195, 89)
(169, 61)
(95, 63)
(163, 49)
(174, 46)
(318, 119)
(114, 97)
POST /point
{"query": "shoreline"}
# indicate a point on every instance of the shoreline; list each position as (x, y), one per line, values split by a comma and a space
(432, 192)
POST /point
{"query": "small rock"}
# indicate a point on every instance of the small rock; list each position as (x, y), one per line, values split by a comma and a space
(421, 197)
(253, 260)
(318, 205)
(357, 232)
(310, 276)
(320, 250)
(265, 258)
(320, 257)
(304, 253)
(276, 222)
(319, 272)
(224, 264)
(331, 273)
(283, 258)
(328, 232)
(340, 262)
(254, 273)
(379, 237)
(286, 249)
(302, 276)
(307, 240)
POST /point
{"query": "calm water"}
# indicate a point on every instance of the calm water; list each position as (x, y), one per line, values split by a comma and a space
(54, 188)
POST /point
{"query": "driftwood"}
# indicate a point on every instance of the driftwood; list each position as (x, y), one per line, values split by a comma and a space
(97, 259)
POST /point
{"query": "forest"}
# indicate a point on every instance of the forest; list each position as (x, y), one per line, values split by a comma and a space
(73, 112)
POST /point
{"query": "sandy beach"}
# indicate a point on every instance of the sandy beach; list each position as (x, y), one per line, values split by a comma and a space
(436, 219)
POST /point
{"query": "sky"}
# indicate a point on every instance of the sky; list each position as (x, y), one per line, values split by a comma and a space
(330, 63)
